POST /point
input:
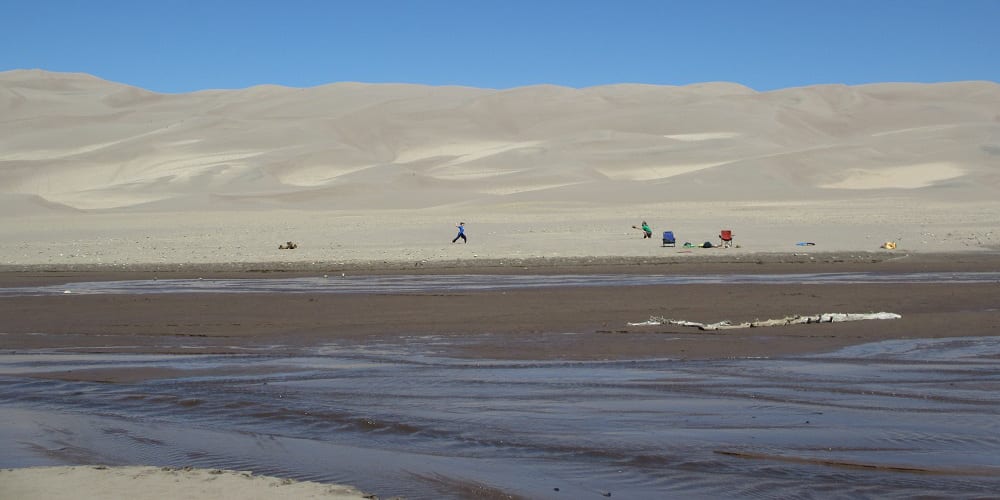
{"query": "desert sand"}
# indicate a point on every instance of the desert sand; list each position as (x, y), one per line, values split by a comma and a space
(101, 181)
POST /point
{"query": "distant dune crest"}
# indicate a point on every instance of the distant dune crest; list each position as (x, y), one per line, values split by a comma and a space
(79, 142)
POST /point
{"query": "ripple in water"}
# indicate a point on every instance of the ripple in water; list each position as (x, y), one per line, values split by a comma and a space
(897, 419)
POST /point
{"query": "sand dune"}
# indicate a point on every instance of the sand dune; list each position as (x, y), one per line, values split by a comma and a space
(703, 136)
(615, 152)
(902, 177)
(77, 140)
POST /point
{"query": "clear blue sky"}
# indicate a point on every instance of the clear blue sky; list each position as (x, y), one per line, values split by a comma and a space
(186, 45)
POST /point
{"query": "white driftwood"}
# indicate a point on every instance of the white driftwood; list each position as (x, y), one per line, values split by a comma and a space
(789, 320)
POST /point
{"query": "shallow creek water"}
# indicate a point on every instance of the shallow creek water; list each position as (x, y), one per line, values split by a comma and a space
(894, 419)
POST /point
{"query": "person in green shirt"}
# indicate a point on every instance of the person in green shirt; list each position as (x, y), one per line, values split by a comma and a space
(646, 231)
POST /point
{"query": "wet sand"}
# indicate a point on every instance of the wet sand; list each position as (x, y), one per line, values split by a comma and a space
(514, 319)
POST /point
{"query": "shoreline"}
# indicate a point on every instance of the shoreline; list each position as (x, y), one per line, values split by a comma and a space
(751, 263)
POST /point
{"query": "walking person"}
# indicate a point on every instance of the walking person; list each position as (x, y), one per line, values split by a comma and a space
(461, 233)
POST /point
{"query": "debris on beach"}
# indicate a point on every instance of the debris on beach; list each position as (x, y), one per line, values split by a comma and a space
(788, 320)
(288, 245)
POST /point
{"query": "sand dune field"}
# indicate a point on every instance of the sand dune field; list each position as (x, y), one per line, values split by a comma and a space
(96, 172)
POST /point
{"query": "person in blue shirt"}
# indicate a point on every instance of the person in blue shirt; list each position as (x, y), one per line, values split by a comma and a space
(461, 233)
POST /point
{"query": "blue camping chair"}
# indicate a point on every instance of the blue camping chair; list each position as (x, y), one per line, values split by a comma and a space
(668, 239)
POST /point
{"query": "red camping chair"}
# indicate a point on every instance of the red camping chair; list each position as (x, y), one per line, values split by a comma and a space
(726, 238)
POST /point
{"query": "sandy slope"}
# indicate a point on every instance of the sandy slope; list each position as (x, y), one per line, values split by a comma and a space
(366, 171)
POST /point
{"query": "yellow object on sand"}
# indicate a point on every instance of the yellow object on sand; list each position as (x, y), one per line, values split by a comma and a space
(889, 245)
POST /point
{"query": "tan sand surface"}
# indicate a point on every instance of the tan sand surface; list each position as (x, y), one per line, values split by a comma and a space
(157, 483)
(523, 231)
